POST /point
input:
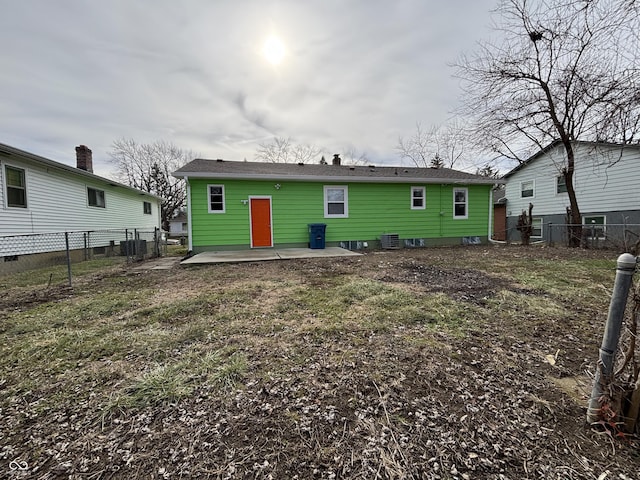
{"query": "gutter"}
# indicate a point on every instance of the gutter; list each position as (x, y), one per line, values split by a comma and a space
(334, 178)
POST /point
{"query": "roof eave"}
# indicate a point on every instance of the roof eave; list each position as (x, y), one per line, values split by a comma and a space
(333, 178)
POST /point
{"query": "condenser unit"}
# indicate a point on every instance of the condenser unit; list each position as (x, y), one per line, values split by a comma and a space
(390, 241)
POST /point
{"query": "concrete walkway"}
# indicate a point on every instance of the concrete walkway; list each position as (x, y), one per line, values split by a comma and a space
(259, 255)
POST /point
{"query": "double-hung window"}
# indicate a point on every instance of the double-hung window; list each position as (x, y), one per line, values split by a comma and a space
(561, 184)
(336, 201)
(216, 198)
(95, 197)
(146, 208)
(16, 187)
(418, 200)
(527, 189)
(460, 203)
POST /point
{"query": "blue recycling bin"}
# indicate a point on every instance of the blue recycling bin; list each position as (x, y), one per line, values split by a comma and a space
(317, 235)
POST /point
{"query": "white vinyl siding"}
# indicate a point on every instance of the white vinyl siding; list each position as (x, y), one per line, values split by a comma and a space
(57, 202)
(598, 188)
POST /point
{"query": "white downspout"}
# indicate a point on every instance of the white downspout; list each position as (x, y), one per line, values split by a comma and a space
(189, 223)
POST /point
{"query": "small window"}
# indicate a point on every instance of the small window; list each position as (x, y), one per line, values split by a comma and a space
(95, 197)
(561, 185)
(417, 198)
(536, 228)
(526, 189)
(336, 202)
(16, 187)
(146, 208)
(216, 199)
(595, 227)
(460, 203)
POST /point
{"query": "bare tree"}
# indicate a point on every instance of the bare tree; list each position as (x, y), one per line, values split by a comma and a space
(444, 146)
(565, 69)
(148, 167)
(286, 150)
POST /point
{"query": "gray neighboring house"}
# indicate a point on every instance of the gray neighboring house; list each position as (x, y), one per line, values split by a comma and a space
(607, 185)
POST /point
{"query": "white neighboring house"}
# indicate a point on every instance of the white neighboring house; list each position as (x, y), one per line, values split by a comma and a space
(42, 196)
(178, 226)
(607, 185)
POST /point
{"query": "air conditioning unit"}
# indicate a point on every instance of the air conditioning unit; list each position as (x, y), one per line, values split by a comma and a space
(390, 241)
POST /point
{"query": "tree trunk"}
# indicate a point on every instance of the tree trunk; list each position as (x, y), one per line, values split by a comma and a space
(574, 229)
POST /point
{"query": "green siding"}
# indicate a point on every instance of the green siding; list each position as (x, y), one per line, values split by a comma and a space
(374, 209)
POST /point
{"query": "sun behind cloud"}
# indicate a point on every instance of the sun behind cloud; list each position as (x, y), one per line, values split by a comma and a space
(274, 50)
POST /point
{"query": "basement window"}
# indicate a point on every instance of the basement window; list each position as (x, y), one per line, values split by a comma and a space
(536, 228)
(595, 227)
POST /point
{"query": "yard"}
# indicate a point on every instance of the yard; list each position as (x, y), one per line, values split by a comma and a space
(448, 363)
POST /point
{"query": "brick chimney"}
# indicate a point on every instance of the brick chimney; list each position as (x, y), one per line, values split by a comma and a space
(336, 159)
(84, 160)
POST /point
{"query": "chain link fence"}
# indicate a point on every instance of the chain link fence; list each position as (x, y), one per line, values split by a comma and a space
(612, 236)
(20, 253)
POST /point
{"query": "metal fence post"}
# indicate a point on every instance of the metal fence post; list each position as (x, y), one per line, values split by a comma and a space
(626, 266)
(66, 242)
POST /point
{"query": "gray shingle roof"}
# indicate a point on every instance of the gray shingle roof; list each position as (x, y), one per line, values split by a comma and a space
(315, 172)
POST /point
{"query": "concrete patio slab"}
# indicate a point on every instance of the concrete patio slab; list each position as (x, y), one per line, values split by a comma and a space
(259, 255)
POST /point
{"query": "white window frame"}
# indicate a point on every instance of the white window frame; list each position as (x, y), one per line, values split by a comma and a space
(144, 208)
(345, 189)
(533, 188)
(558, 192)
(601, 227)
(423, 190)
(224, 199)
(466, 203)
(104, 198)
(534, 220)
(6, 187)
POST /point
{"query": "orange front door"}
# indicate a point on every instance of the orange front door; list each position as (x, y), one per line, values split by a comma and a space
(260, 214)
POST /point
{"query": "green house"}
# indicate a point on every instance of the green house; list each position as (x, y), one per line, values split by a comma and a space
(241, 205)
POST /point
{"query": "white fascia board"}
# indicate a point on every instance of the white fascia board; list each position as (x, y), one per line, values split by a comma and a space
(334, 178)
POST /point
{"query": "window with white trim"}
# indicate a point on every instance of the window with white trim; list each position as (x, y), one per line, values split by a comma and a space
(595, 227)
(95, 197)
(216, 198)
(527, 189)
(146, 208)
(418, 198)
(460, 203)
(536, 228)
(561, 184)
(336, 201)
(15, 186)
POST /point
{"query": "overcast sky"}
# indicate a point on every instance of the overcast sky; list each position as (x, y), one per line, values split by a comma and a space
(355, 74)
